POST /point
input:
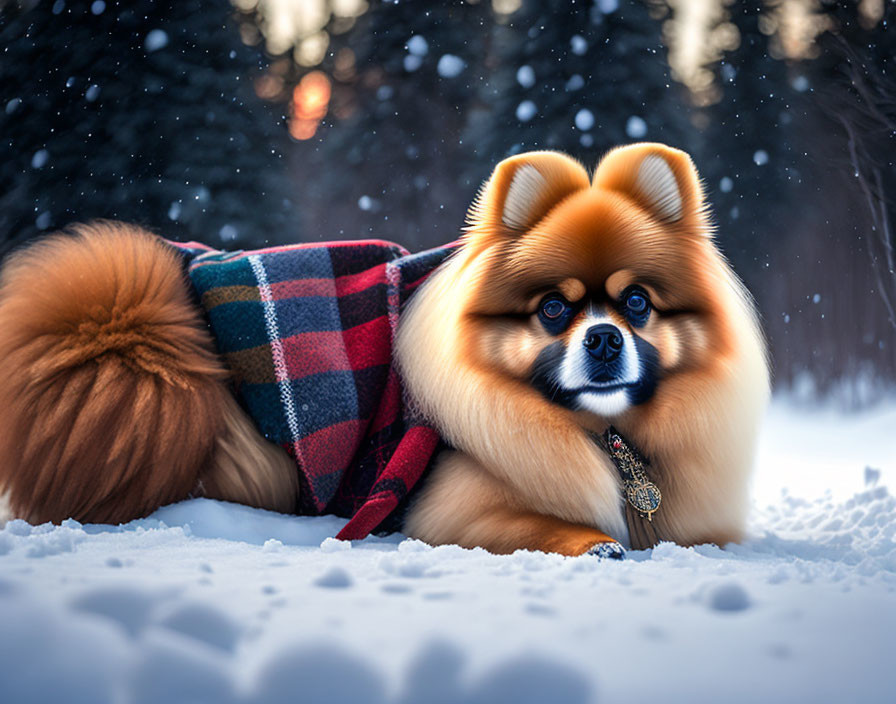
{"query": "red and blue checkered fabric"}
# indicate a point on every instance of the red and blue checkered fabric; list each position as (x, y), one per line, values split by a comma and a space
(307, 331)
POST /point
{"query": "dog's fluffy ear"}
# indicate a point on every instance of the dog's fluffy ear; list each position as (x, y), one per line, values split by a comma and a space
(662, 180)
(522, 190)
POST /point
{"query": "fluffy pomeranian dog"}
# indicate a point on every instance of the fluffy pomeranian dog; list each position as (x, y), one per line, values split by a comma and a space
(576, 309)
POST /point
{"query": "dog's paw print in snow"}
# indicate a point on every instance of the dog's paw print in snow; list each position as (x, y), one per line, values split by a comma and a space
(334, 578)
(728, 597)
(202, 623)
(128, 607)
(319, 672)
(172, 669)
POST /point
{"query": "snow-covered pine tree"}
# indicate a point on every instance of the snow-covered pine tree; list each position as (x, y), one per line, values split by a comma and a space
(142, 111)
(393, 165)
(747, 152)
(428, 129)
(577, 77)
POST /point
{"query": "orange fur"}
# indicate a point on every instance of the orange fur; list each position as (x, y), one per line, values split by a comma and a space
(113, 401)
(466, 505)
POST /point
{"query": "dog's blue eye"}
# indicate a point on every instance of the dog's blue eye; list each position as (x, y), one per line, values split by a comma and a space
(636, 306)
(636, 302)
(555, 313)
(553, 308)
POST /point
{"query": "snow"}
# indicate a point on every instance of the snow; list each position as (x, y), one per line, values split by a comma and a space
(155, 39)
(800, 84)
(584, 119)
(575, 82)
(727, 71)
(578, 45)
(525, 111)
(228, 233)
(450, 66)
(212, 602)
(525, 76)
(726, 184)
(92, 93)
(40, 159)
(44, 220)
(417, 45)
(760, 157)
(636, 127)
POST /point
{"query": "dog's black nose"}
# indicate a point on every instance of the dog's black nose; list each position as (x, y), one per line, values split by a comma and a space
(604, 342)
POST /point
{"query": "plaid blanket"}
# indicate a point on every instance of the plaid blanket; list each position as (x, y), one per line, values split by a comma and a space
(307, 331)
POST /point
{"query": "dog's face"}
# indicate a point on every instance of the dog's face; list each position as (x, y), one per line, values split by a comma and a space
(597, 360)
(598, 294)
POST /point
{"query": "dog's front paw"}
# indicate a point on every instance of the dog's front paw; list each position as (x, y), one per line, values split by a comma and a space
(608, 551)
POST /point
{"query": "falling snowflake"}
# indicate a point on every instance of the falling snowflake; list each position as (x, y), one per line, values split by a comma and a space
(584, 119)
(450, 66)
(575, 82)
(525, 111)
(44, 220)
(800, 84)
(156, 39)
(418, 46)
(525, 76)
(635, 128)
(39, 159)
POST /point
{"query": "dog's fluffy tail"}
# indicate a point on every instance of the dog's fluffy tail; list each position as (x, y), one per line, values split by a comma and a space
(111, 395)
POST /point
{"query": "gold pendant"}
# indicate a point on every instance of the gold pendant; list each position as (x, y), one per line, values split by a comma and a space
(644, 497)
(642, 494)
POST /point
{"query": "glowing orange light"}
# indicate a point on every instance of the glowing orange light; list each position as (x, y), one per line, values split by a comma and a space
(310, 101)
(302, 129)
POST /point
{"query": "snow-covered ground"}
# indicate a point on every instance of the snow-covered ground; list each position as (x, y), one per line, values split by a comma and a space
(209, 602)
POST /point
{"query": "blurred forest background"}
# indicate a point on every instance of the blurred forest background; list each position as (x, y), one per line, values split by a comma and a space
(247, 122)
